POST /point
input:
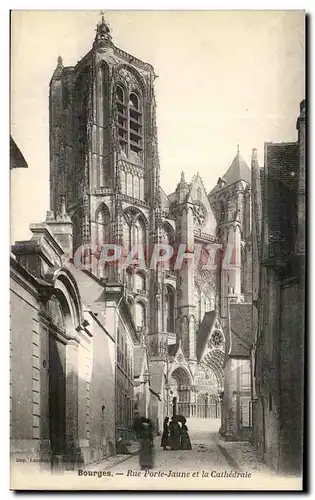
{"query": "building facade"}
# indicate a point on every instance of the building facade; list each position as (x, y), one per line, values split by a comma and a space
(105, 165)
(108, 340)
(279, 279)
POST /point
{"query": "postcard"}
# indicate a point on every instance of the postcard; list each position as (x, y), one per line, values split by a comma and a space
(157, 266)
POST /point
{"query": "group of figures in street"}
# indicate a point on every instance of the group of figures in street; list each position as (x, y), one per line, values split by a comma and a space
(175, 434)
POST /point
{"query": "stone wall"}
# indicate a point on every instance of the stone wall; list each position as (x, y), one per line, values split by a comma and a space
(24, 368)
(292, 378)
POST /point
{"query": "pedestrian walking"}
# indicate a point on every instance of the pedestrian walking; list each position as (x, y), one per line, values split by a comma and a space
(137, 423)
(146, 446)
(165, 435)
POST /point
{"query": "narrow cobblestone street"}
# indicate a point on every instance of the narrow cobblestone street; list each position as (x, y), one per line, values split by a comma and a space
(212, 464)
(209, 453)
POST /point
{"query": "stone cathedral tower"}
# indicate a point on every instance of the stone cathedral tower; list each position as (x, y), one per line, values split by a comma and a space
(105, 178)
(104, 160)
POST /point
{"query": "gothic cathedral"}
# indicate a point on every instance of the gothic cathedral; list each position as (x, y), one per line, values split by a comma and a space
(105, 172)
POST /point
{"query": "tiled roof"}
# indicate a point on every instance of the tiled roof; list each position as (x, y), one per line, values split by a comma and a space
(204, 332)
(279, 198)
(241, 329)
(17, 160)
(237, 171)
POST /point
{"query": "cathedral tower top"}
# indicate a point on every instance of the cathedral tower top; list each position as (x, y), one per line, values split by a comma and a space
(103, 35)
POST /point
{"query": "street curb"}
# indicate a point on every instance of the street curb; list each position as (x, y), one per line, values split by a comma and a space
(230, 460)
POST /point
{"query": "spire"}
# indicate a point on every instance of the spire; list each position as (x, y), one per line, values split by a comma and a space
(103, 36)
(238, 149)
(58, 71)
(182, 187)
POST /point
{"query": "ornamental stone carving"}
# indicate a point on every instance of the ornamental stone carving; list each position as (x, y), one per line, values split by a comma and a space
(200, 215)
(55, 313)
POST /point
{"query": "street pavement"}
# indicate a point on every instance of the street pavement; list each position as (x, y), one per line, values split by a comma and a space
(209, 453)
(213, 464)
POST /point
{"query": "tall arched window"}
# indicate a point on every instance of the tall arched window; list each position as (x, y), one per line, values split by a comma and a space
(140, 319)
(103, 225)
(136, 187)
(167, 238)
(122, 118)
(135, 124)
(170, 309)
(123, 183)
(129, 279)
(129, 121)
(139, 233)
(120, 94)
(141, 196)
(129, 185)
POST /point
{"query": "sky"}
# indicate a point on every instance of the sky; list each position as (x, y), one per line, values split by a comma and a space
(224, 78)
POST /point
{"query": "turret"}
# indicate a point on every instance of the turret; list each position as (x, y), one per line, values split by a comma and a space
(185, 324)
(182, 188)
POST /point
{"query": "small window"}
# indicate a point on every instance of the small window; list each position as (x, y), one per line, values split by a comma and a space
(270, 401)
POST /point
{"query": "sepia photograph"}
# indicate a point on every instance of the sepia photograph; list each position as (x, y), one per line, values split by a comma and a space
(157, 250)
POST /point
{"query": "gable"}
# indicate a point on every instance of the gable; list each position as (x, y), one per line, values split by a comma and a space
(198, 195)
(197, 191)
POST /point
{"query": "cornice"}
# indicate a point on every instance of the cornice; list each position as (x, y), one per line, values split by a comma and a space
(132, 60)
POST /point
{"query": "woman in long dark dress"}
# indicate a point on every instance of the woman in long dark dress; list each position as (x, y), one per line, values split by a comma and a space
(146, 447)
(174, 438)
(165, 440)
(185, 443)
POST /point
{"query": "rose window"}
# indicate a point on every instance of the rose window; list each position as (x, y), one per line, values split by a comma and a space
(217, 338)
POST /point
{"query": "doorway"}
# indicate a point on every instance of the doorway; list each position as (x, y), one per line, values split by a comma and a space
(57, 396)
